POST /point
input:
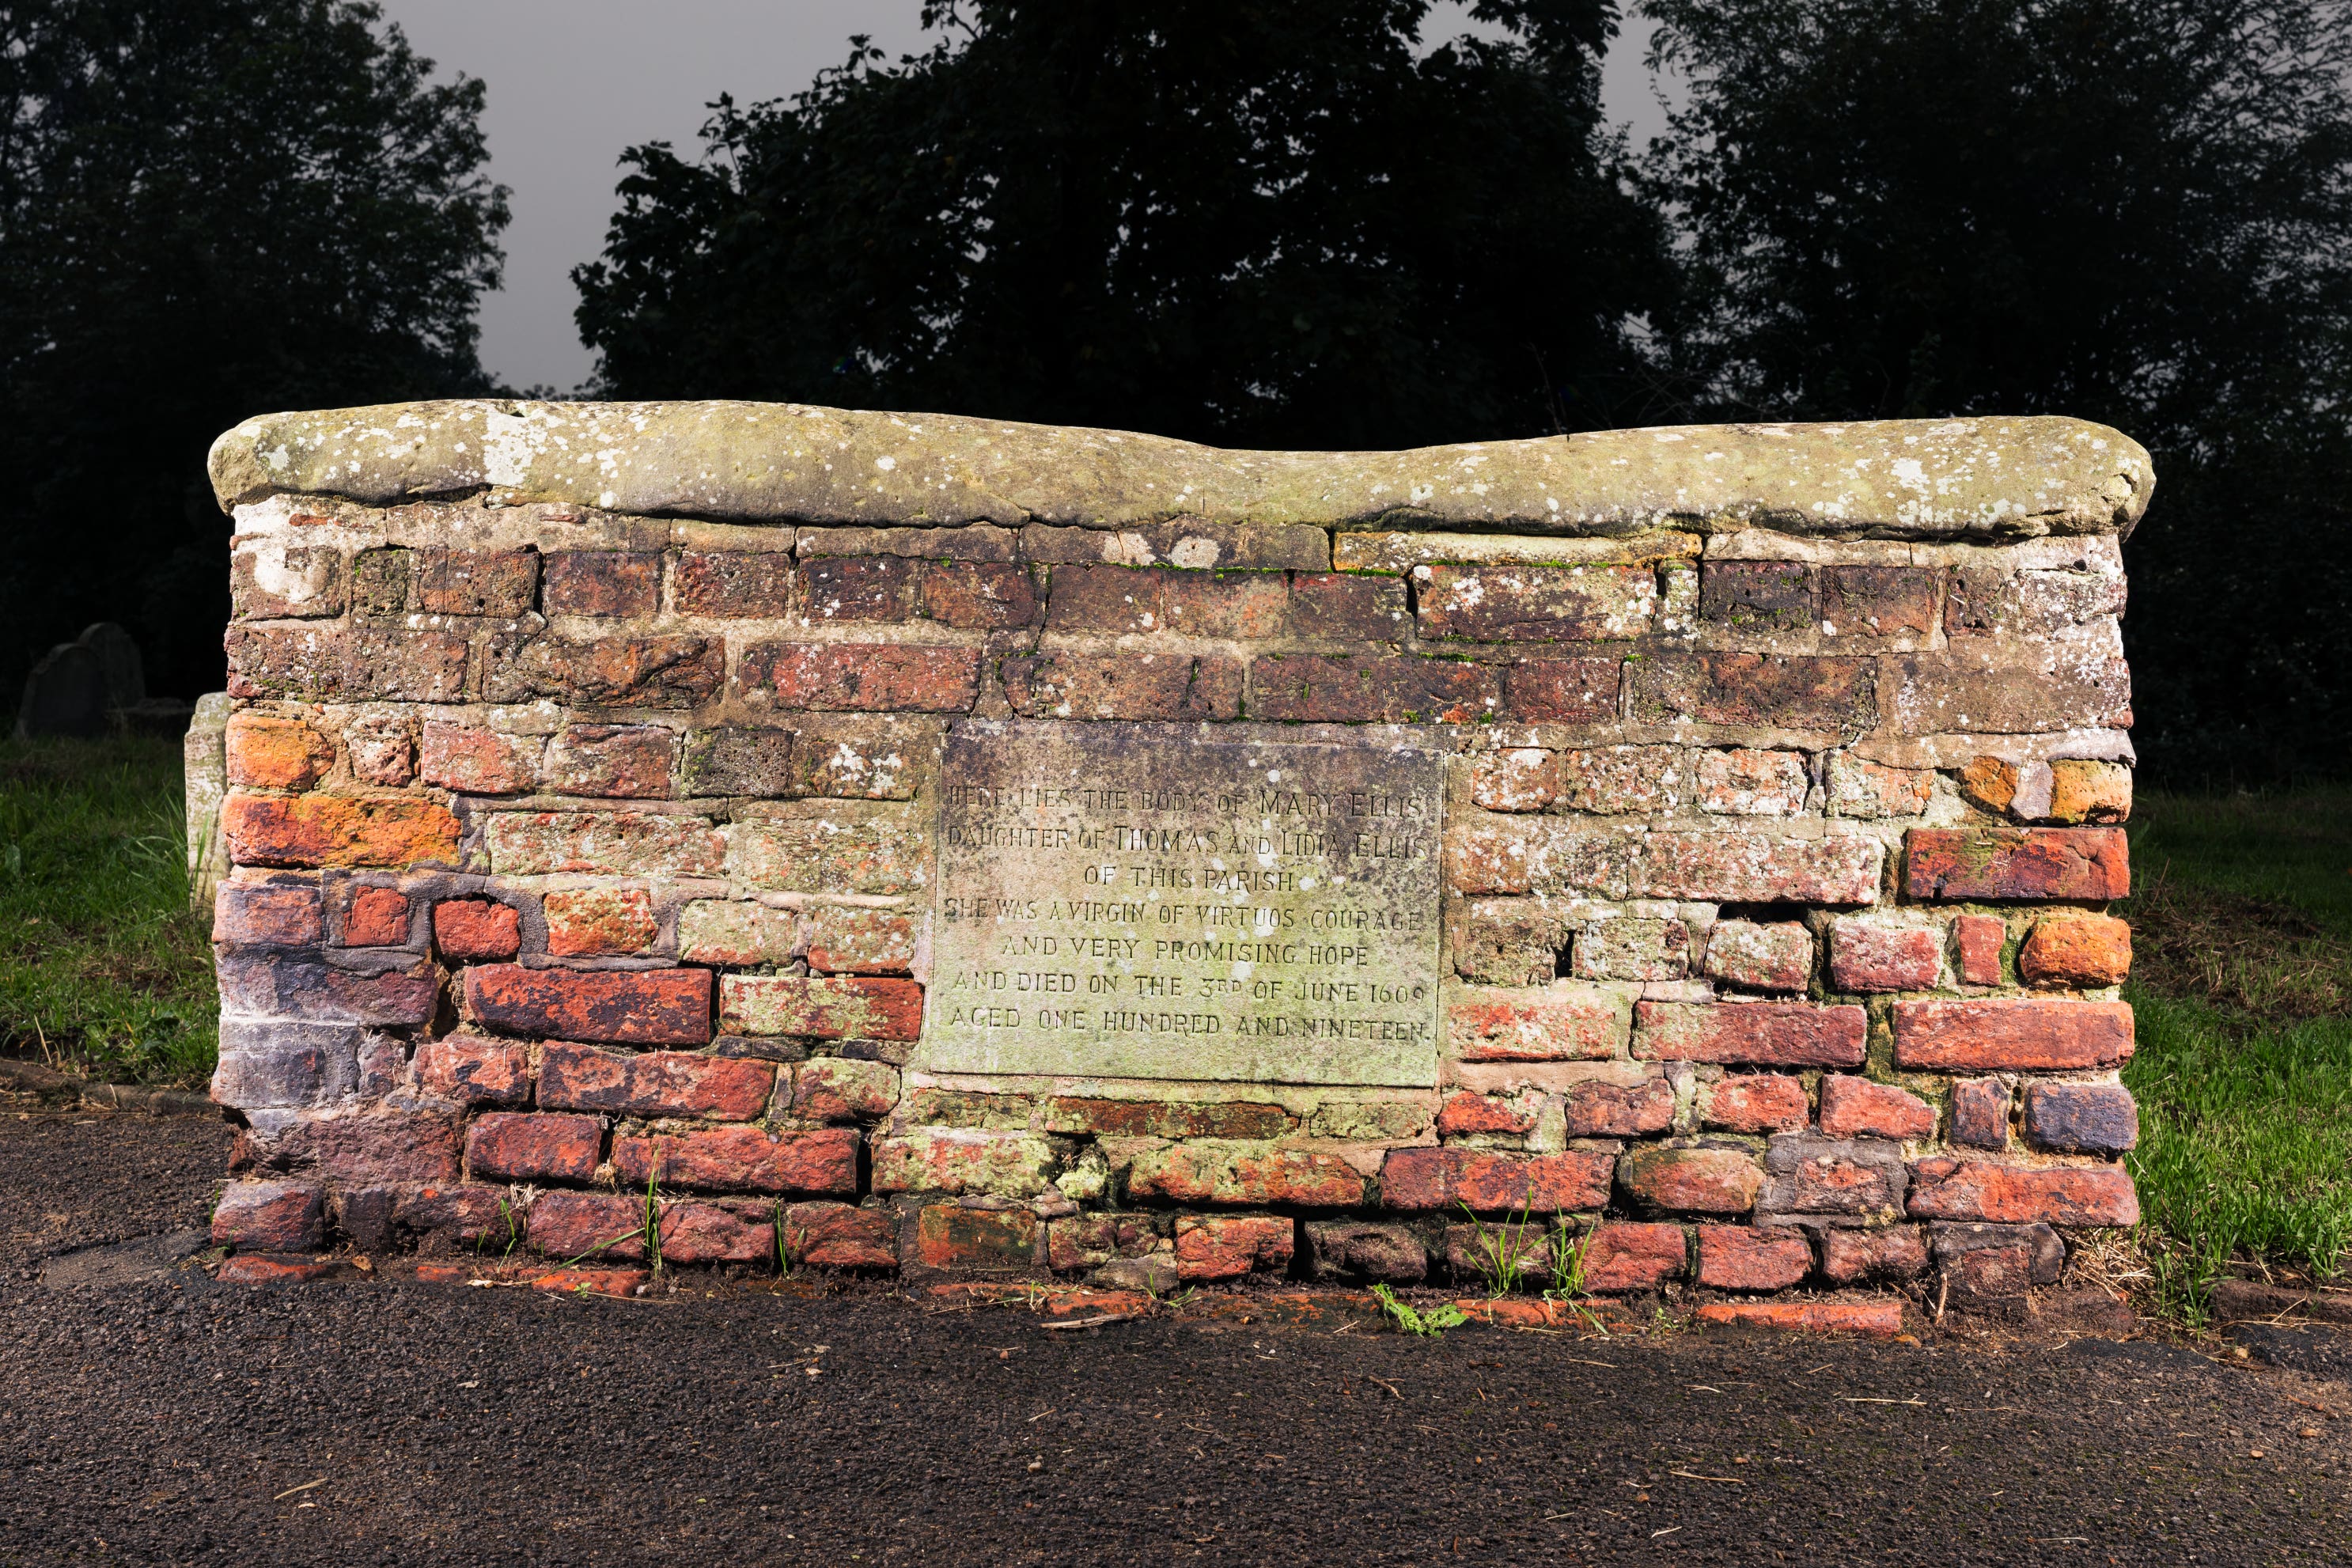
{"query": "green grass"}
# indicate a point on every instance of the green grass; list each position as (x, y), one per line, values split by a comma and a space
(2243, 986)
(102, 967)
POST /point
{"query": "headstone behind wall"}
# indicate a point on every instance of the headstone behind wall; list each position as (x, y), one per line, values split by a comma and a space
(206, 781)
(65, 695)
(117, 657)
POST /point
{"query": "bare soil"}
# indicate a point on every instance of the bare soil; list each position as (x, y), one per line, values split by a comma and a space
(154, 1415)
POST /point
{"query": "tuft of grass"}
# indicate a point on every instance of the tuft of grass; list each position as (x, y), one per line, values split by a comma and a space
(1431, 1324)
(2243, 992)
(103, 969)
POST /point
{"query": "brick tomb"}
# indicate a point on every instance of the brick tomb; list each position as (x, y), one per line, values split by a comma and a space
(772, 837)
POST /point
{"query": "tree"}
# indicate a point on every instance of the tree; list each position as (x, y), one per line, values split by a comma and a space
(2136, 211)
(208, 209)
(1272, 223)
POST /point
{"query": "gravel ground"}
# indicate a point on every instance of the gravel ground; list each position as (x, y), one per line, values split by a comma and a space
(155, 1417)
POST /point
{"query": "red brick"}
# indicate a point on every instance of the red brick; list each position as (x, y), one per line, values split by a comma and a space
(1123, 685)
(479, 762)
(1371, 688)
(252, 1269)
(1873, 792)
(1744, 1257)
(1857, 1107)
(1947, 1188)
(1226, 1247)
(620, 1282)
(1348, 607)
(276, 753)
(860, 942)
(370, 1146)
(1493, 1183)
(1551, 1025)
(496, 583)
(1758, 595)
(1562, 690)
(1777, 956)
(474, 1070)
(1107, 600)
(841, 1088)
(1634, 1256)
(300, 986)
(947, 1236)
(270, 1216)
(1365, 1250)
(1692, 1181)
(1521, 780)
(692, 1233)
(253, 915)
(657, 1083)
(1536, 604)
(1767, 691)
(836, 1235)
(394, 664)
(869, 588)
(1879, 601)
(1614, 1110)
(1813, 1176)
(821, 1007)
(1244, 1174)
(1732, 867)
(508, 1146)
(1234, 605)
(2084, 863)
(962, 1160)
(750, 585)
(2025, 1034)
(330, 830)
(1090, 1240)
(1483, 1115)
(2075, 949)
(1866, 956)
(379, 917)
(586, 923)
(1767, 1034)
(1894, 1252)
(1746, 781)
(861, 678)
(1537, 854)
(742, 1160)
(1755, 1102)
(603, 844)
(974, 596)
(463, 1214)
(2081, 1118)
(603, 583)
(1227, 1119)
(1880, 1320)
(1977, 940)
(1991, 691)
(578, 1226)
(476, 928)
(1980, 1113)
(645, 1006)
(629, 761)
(612, 672)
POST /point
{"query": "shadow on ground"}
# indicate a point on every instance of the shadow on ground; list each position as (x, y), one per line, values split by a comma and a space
(156, 1417)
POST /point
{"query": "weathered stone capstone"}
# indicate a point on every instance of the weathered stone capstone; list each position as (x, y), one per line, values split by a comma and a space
(729, 833)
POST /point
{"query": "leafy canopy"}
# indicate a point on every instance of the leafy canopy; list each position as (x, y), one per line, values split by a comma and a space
(208, 209)
(1275, 223)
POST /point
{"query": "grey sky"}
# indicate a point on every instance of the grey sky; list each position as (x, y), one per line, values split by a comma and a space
(571, 83)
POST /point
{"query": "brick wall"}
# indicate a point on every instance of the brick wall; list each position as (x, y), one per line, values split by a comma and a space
(578, 852)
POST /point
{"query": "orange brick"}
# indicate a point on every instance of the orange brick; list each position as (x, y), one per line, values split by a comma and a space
(333, 830)
(276, 753)
(2076, 950)
(590, 921)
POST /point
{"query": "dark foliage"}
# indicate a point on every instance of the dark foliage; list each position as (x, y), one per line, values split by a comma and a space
(208, 209)
(1272, 223)
(2136, 211)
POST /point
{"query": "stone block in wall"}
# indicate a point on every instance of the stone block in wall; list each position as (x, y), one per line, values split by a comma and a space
(364, 1144)
(1595, 1109)
(1731, 867)
(1682, 1178)
(1976, 944)
(282, 1064)
(1538, 855)
(1076, 1242)
(1753, 782)
(844, 848)
(1630, 947)
(478, 760)
(265, 752)
(735, 584)
(1989, 694)
(249, 914)
(1980, 1113)
(353, 989)
(614, 761)
(1867, 955)
(738, 760)
(1229, 1120)
(1193, 543)
(1341, 607)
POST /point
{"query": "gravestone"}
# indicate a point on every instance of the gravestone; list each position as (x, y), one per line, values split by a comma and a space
(65, 695)
(117, 659)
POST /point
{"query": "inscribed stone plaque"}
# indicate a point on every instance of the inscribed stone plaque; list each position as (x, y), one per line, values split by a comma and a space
(1136, 902)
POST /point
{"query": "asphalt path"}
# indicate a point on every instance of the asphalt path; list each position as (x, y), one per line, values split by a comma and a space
(153, 1416)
